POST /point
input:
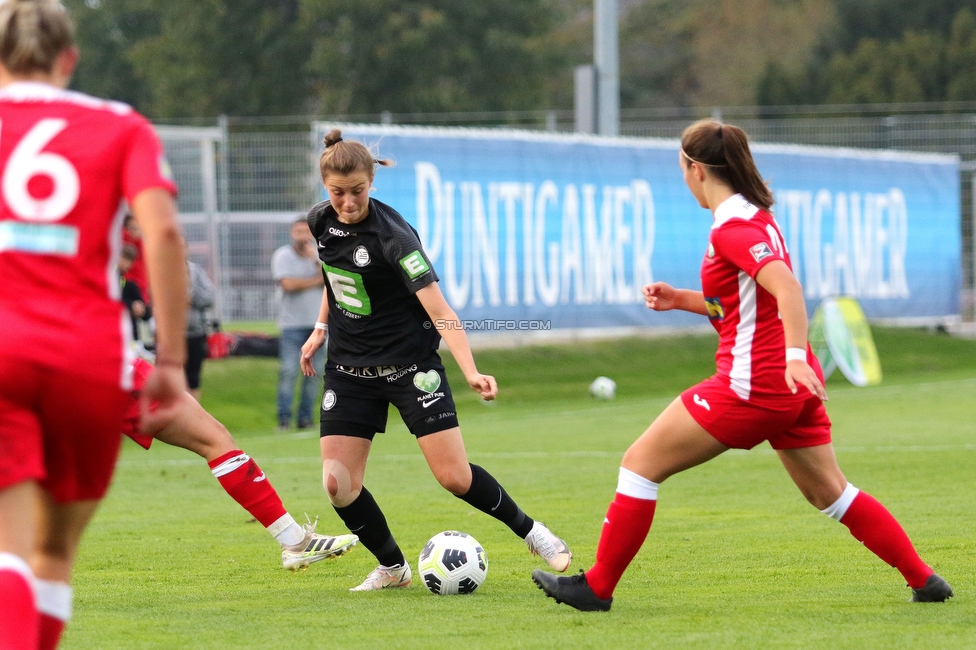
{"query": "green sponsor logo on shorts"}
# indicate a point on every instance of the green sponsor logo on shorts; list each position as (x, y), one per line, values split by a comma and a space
(348, 289)
(427, 381)
(414, 264)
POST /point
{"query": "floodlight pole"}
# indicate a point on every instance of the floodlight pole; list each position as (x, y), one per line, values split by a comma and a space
(606, 58)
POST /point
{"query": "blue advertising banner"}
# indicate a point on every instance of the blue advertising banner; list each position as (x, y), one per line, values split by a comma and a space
(548, 231)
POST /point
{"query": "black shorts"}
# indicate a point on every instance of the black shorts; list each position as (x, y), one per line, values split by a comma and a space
(357, 400)
(196, 352)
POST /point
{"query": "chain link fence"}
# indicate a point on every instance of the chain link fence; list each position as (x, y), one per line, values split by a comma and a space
(243, 181)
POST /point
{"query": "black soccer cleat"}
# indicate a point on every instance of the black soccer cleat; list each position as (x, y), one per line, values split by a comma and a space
(936, 590)
(572, 590)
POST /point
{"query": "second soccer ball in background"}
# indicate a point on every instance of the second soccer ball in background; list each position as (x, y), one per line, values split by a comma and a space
(603, 388)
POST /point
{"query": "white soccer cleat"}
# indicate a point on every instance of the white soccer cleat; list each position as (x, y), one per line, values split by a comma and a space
(550, 548)
(316, 547)
(386, 577)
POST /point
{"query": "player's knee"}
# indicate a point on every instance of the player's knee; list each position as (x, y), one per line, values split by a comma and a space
(456, 480)
(338, 483)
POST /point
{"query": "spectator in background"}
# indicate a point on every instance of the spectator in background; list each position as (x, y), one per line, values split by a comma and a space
(298, 272)
(132, 236)
(201, 301)
(132, 297)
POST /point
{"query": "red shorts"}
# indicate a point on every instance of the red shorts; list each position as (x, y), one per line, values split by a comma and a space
(787, 423)
(141, 370)
(58, 427)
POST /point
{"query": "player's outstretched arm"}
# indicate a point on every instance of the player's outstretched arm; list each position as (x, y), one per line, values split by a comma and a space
(316, 340)
(777, 278)
(155, 211)
(661, 296)
(446, 321)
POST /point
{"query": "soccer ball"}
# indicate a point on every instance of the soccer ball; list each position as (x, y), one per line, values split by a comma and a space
(453, 563)
(603, 388)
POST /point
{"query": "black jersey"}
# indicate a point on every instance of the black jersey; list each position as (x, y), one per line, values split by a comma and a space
(372, 271)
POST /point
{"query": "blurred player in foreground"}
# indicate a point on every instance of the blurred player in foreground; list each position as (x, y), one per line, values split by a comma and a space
(387, 315)
(768, 385)
(192, 428)
(67, 161)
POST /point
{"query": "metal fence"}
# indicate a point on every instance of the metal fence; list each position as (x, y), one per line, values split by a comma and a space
(243, 181)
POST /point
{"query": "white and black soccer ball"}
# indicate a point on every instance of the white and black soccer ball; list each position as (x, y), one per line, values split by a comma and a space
(603, 388)
(452, 562)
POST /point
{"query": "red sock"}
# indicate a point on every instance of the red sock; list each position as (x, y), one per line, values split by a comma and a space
(18, 613)
(624, 531)
(875, 527)
(244, 481)
(51, 629)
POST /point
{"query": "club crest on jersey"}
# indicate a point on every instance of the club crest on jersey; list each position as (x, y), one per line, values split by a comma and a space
(361, 256)
(328, 400)
(711, 250)
(714, 308)
(761, 251)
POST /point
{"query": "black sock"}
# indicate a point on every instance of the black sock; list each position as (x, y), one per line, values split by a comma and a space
(489, 497)
(365, 519)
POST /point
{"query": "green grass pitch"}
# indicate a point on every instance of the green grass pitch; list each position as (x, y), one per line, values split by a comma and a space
(736, 558)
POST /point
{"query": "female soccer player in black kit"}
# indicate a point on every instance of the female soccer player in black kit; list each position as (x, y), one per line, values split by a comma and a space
(386, 315)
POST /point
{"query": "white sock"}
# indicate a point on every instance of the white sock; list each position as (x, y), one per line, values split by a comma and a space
(636, 486)
(286, 531)
(838, 508)
(54, 598)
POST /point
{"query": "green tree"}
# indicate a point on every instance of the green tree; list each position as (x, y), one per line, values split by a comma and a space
(239, 57)
(910, 69)
(105, 31)
(961, 58)
(436, 55)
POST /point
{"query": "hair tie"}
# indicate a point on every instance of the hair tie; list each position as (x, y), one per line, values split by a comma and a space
(704, 164)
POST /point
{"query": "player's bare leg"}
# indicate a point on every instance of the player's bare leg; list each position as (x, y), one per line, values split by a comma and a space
(194, 429)
(343, 468)
(674, 442)
(816, 472)
(19, 506)
(60, 528)
(473, 484)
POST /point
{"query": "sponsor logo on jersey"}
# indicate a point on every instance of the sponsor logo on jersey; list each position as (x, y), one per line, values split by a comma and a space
(39, 238)
(714, 308)
(361, 256)
(700, 401)
(428, 381)
(761, 251)
(425, 403)
(328, 400)
(338, 233)
(348, 290)
(414, 264)
(400, 373)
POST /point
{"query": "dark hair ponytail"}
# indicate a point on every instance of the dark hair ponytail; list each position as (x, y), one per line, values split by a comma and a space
(347, 157)
(724, 150)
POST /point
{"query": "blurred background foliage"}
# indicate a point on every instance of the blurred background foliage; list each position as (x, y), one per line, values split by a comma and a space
(202, 58)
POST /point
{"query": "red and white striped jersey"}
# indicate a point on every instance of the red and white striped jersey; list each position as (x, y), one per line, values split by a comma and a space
(66, 162)
(752, 350)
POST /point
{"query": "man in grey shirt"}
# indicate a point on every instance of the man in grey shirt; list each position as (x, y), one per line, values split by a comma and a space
(298, 272)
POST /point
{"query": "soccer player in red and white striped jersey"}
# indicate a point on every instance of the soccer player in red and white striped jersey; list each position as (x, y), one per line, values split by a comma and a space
(67, 161)
(768, 385)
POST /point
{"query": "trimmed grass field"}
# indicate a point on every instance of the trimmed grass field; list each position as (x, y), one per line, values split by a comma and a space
(736, 558)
